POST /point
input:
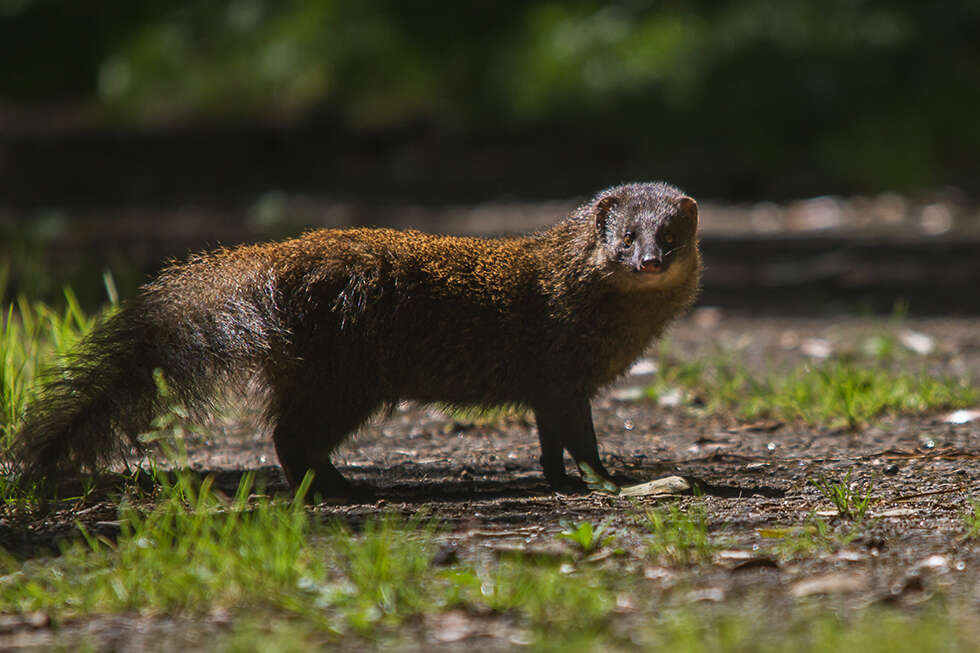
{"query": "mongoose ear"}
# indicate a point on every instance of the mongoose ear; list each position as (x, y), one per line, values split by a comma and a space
(687, 207)
(602, 210)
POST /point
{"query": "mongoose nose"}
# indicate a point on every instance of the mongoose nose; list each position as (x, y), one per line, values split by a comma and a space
(654, 264)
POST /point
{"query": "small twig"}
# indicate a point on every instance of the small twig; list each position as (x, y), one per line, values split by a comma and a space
(918, 495)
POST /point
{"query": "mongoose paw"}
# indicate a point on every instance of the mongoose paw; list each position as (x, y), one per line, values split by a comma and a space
(622, 479)
(569, 485)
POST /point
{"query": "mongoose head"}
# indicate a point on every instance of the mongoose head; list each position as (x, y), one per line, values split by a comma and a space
(647, 234)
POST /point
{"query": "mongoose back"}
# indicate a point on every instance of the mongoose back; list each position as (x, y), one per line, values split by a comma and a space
(337, 324)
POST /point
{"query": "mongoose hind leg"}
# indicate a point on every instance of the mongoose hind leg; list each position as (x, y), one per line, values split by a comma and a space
(308, 429)
(567, 425)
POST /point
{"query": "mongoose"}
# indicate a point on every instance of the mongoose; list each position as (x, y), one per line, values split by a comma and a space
(337, 324)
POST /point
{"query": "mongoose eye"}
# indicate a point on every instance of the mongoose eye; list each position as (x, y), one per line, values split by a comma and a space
(628, 239)
(669, 239)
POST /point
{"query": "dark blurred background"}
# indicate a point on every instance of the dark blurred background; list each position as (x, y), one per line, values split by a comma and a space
(143, 129)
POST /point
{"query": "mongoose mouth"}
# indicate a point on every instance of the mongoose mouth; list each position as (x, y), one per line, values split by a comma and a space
(665, 274)
(651, 268)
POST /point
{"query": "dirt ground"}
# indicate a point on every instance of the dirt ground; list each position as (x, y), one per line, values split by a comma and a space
(485, 482)
(482, 479)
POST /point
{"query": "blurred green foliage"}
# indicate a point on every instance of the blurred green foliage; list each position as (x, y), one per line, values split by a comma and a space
(868, 94)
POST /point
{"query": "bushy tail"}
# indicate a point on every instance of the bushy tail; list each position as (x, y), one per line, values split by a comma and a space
(91, 408)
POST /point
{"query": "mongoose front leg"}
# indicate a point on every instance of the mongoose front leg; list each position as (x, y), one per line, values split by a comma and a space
(567, 425)
(552, 454)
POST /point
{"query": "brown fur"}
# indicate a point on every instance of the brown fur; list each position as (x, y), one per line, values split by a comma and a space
(337, 324)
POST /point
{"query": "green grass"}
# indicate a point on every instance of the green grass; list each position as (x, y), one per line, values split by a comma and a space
(384, 572)
(813, 536)
(586, 536)
(195, 551)
(847, 499)
(550, 598)
(192, 551)
(32, 335)
(690, 630)
(971, 520)
(290, 581)
(871, 630)
(679, 535)
(847, 391)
